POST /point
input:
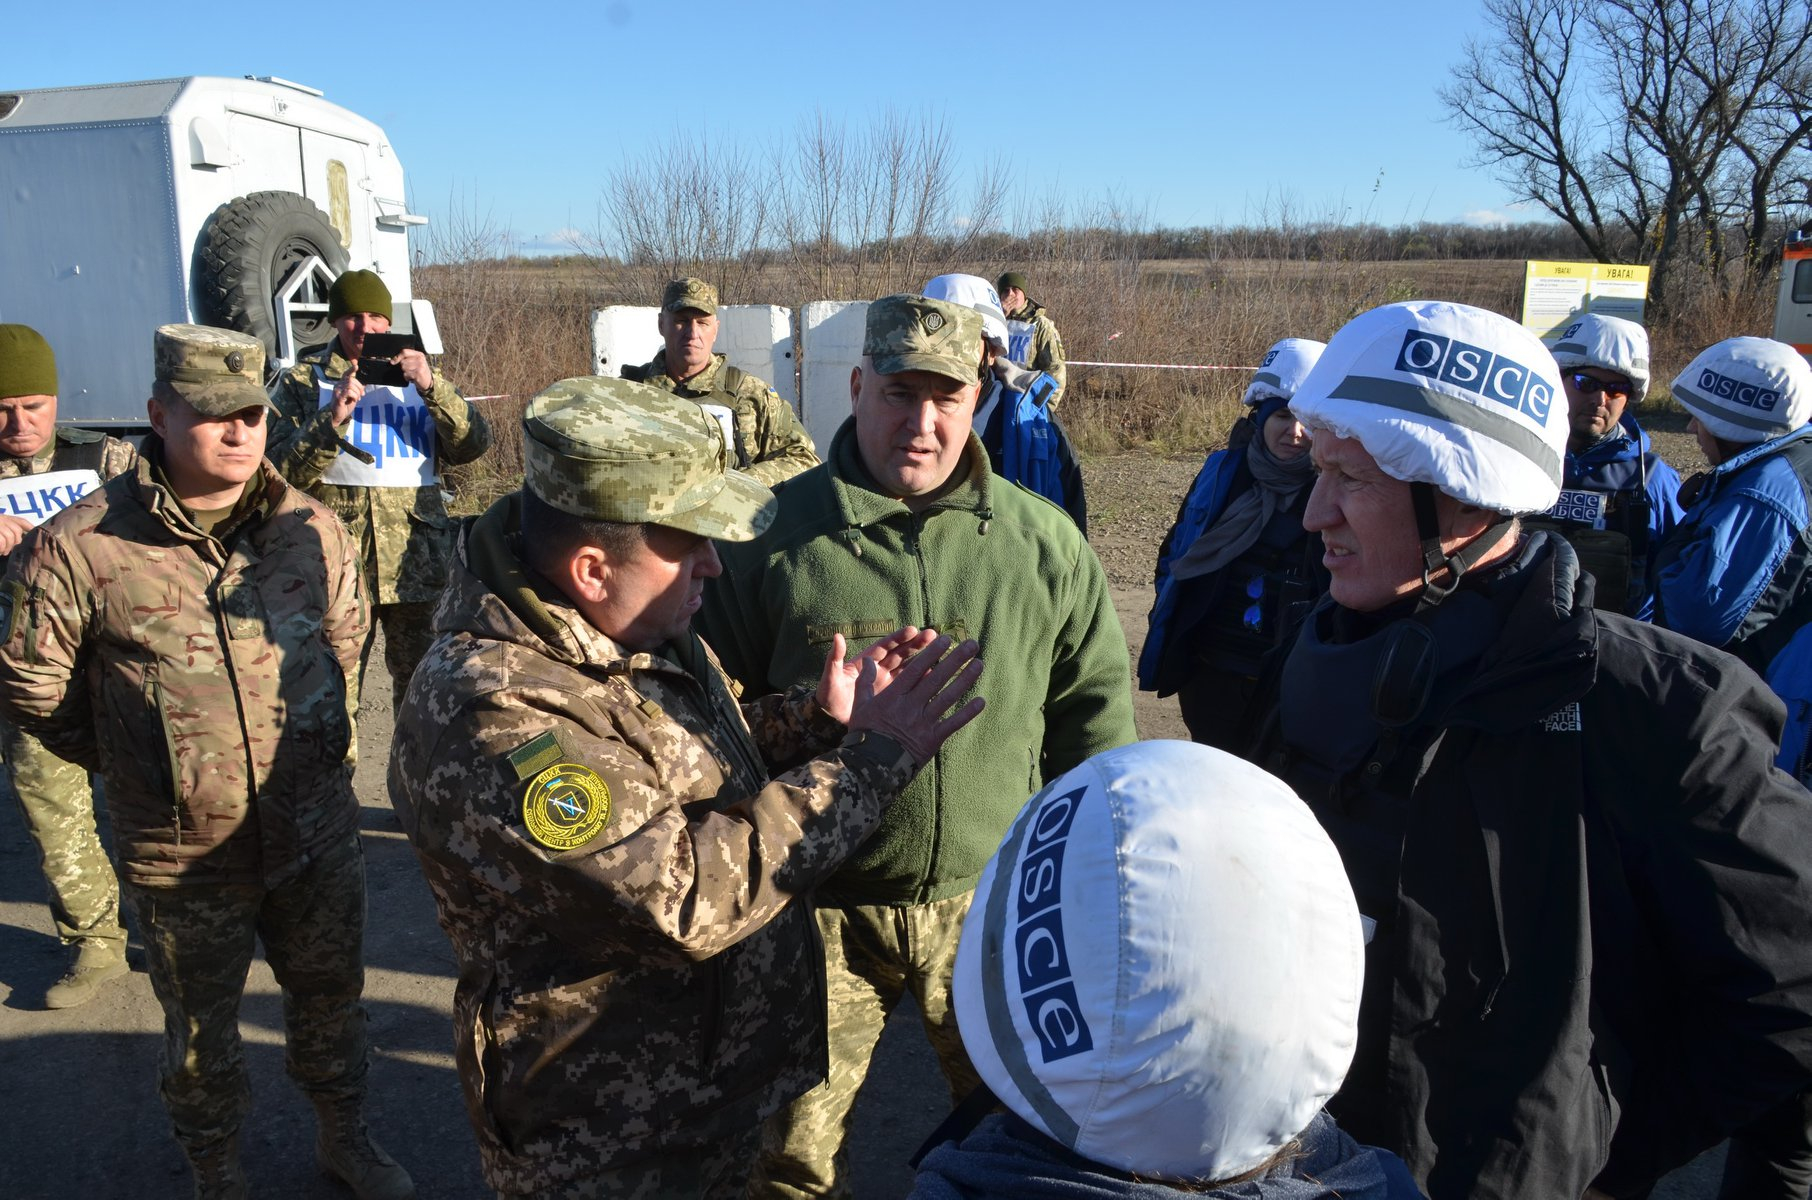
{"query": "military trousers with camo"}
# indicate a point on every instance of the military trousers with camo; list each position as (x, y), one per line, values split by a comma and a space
(58, 807)
(717, 1171)
(199, 941)
(408, 632)
(874, 955)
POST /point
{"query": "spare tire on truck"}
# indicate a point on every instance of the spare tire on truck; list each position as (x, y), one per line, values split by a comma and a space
(250, 246)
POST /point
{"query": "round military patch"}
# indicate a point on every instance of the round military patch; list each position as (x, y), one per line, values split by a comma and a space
(565, 806)
(934, 321)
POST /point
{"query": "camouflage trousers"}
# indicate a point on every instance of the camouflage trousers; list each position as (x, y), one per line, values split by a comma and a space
(719, 1171)
(408, 632)
(58, 806)
(198, 947)
(873, 955)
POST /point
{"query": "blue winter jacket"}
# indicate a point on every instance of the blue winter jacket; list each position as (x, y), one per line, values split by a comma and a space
(1207, 498)
(1740, 561)
(1616, 466)
(1006, 1159)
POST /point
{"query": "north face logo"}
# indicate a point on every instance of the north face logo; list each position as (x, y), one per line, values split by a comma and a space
(1564, 721)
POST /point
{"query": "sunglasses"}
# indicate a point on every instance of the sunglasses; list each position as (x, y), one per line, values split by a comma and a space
(1587, 385)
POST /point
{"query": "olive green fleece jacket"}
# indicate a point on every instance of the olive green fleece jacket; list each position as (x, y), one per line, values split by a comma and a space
(991, 561)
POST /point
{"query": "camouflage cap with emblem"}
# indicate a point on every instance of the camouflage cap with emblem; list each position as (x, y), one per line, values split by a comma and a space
(614, 450)
(217, 371)
(689, 293)
(912, 333)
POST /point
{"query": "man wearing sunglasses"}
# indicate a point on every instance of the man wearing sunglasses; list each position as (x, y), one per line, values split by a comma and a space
(1618, 500)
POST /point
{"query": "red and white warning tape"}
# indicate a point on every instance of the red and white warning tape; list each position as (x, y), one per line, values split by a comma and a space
(500, 396)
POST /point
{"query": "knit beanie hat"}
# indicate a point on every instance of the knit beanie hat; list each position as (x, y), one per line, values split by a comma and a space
(358, 292)
(27, 366)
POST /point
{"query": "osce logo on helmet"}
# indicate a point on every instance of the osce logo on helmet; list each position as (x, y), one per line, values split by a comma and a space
(1270, 357)
(1747, 394)
(1047, 985)
(1477, 370)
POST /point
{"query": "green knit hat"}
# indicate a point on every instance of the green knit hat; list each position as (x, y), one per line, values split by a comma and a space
(27, 367)
(1012, 279)
(358, 292)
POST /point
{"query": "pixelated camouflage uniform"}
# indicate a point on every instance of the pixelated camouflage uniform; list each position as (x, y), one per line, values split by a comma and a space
(643, 996)
(205, 677)
(54, 795)
(404, 534)
(771, 444)
(1047, 347)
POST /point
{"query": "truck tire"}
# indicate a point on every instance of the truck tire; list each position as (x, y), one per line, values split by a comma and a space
(248, 248)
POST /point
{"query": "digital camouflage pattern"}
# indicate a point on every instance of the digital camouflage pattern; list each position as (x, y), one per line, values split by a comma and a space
(58, 807)
(199, 679)
(623, 884)
(199, 943)
(1047, 346)
(616, 450)
(803, 1150)
(404, 535)
(696, 294)
(771, 444)
(911, 333)
(54, 795)
(217, 371)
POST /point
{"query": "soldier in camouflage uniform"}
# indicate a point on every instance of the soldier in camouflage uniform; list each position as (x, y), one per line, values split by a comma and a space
(53, 795)
(768, 440)
(190, 631)
(622, 877)
(1032, 339)
(392, 506)
(906, 524)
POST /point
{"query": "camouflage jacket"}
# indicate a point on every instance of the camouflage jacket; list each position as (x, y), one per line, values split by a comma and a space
(622, 882)
(404, 534)
(1047, 347)
(771, 444)
(207, 683)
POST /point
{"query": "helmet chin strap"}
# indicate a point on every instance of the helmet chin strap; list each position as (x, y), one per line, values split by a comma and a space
(1435, 560)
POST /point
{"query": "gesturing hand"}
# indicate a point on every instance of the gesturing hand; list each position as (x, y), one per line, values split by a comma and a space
(837, 685)
(911, 709)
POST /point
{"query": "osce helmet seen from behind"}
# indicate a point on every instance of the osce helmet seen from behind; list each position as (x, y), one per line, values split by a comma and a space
(1282, 370)
(1747, 389)
(1608, 343)
(1161, 966)
(1449, 395)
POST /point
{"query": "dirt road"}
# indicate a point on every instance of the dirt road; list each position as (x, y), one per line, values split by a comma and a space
(78, 1089)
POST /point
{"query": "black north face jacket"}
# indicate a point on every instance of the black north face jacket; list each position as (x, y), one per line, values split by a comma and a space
(1595, 960)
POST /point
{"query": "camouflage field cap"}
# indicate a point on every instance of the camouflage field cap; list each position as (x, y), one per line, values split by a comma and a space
(911, 333)
(689, 293)
(217, 371)
(613, 450)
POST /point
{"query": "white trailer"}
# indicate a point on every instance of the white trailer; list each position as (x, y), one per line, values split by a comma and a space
(229, 202)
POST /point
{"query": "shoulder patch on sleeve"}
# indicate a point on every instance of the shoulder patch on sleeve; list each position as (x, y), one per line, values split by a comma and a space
(534, 756)
(565, 806)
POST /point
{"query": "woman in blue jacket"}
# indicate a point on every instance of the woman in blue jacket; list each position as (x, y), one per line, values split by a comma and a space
(1237, 558)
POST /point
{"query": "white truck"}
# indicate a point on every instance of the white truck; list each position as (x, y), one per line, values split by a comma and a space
(228, 202)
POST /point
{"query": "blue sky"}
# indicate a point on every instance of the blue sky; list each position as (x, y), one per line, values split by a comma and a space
(1189, 113)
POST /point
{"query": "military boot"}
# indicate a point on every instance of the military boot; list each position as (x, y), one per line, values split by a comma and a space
(89, 968)
(217, 1172)
(344, 1151)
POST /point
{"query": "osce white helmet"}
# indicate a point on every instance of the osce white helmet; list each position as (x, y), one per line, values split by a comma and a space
(1747, 389)
(1162, 963)
(1282, 370)
(1449, 395)
(972, 291)
(1609, 343)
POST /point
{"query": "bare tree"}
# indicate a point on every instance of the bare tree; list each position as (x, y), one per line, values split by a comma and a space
(1650, 127)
